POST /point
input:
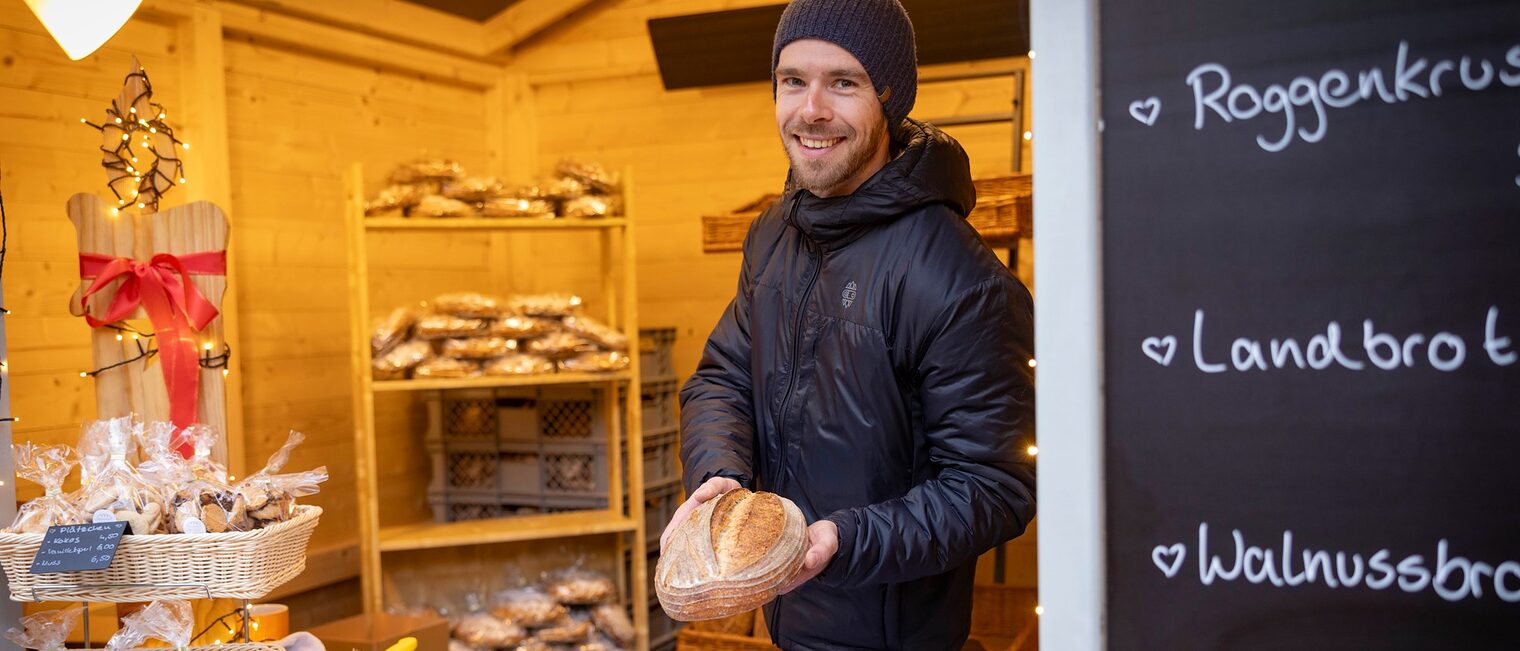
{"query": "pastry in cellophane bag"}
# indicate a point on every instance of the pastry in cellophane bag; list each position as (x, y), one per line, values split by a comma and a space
(443, 326)
(473, 188)
(548, 305)
(588, 207)
(488, 631)
(392, 329)
(590, 174)
(612, 620)
(269, 496)
(47, 630)
(395, 364)
(466, 305)
(512, 364)
(597, 331)
(579, 587)
(167, 621)
(117, 492)
(441, 207)
(516, 207)
(394, 200)
(567, 630)
(200, 500)
(528, 606)
(518, 327)
(560, 344)
(427, 169)
(595, 362)
(477, 348)
(48, 466)
(446, 368)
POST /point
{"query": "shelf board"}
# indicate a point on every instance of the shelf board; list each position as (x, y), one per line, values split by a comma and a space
(546, 379)
(491, 223)
(431, 535)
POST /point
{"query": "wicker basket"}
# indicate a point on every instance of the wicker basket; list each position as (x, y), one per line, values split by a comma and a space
(1004, 208)
(692, 640)
(725, 233)
(253, 646)
(244, 565)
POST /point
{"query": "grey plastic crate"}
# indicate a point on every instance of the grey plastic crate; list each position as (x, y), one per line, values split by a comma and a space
(461, 505)
(662, 463)
(555, 468)
(660, 505)
(660, 399)
(517, 414)
(657, 352)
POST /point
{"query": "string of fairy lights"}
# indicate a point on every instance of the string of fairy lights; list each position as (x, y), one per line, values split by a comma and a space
(147, 183)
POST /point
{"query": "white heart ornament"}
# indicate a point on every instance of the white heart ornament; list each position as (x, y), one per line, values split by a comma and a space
(1145, 110)
(1169, 559)
(1160, 349)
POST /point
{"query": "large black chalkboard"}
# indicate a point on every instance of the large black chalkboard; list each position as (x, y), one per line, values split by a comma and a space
(1397, 211)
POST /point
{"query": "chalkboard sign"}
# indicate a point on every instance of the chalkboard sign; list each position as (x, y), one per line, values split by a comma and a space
(1311, 267)
(75, 547)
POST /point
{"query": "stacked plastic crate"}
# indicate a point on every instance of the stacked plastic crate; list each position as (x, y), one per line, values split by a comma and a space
(662, 467)
(515, 451)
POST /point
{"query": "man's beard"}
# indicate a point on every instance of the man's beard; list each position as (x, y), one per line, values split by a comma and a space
(821, 175)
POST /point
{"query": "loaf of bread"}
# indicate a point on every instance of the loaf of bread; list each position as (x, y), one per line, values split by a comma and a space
(731, 556)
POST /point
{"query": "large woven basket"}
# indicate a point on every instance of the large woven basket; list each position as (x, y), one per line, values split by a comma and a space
(1004, 210)
(244, 565)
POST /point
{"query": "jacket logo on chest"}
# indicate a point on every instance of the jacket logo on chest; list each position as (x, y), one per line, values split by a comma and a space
(848, 296)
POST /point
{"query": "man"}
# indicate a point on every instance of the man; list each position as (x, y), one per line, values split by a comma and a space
(874, 364)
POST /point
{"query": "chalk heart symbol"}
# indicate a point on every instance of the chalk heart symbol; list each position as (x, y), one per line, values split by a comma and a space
(1169, 559)
(1160, 349)
(1145, 110)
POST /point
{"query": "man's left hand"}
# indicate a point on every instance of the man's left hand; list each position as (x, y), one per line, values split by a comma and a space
(823, 543)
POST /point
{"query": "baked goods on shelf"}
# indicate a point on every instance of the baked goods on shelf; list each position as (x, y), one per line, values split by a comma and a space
(439, 188)
(732, 555)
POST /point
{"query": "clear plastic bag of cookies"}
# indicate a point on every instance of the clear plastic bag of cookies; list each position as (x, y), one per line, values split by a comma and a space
(514, 364)
(528, 606)
(270, 496)
(197, 497)
(392, 329)
(444, 326)
(118, 489)
(467, 305)
(46, 630)
(597, 362)
(576, 586)
(560, 344)
(167, 621)
(598, 332)
(600, 642)
(477, 348)
(545, 305)
(446, 368)
(567, 630)
(564, 189)
(435, 206)
(473, 188)
(48, 466)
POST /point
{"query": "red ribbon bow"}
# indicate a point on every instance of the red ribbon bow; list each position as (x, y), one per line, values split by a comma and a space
(162, 287)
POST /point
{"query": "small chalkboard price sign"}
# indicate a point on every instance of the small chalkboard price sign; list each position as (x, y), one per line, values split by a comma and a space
(1311, 304)
(77, 547)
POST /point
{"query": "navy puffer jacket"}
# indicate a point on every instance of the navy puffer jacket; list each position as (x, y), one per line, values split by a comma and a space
(873, 368)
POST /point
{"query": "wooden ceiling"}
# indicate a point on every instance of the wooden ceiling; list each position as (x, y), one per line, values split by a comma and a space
(477, 10)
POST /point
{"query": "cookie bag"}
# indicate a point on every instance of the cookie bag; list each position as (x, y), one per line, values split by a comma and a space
(118, 491)
(199, 500)
(576, 586)
(48, 466)
(168, 621)
(270, 497)
(46, 630)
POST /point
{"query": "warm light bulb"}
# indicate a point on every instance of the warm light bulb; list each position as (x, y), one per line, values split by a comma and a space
(1031, 363)
(1038, 610)
(206, 346)
(83, 374)
(186, 145)
(134, 336)
(115, 212)
(142, 205)
(226, 372)
(118, 120)
(84, 120)
(152, 129)
(1031, 54)
(162, 115)
(182, 180)
(1029, 135)
(1033, 450)
(125, 137)
(119, 337)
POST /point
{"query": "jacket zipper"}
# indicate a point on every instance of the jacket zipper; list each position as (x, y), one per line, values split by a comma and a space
(791, 381)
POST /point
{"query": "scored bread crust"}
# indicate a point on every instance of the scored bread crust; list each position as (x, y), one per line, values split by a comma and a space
(731, 556)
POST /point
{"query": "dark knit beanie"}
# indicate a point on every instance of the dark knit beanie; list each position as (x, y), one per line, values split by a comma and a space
(877, 32)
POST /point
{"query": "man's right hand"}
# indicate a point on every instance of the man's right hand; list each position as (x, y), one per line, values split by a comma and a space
(710, 489)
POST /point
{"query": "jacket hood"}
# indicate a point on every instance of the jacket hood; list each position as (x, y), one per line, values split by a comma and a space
(931, 168)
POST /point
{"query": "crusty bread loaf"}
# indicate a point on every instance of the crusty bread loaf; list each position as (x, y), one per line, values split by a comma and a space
(731, 556)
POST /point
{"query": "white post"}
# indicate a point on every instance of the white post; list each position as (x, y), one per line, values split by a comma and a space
(1068, 323)
(10, 611)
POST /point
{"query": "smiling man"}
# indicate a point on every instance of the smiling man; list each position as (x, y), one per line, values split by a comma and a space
(873, 366)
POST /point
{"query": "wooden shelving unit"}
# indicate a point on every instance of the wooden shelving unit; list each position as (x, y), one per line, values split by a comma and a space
(621, 518)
